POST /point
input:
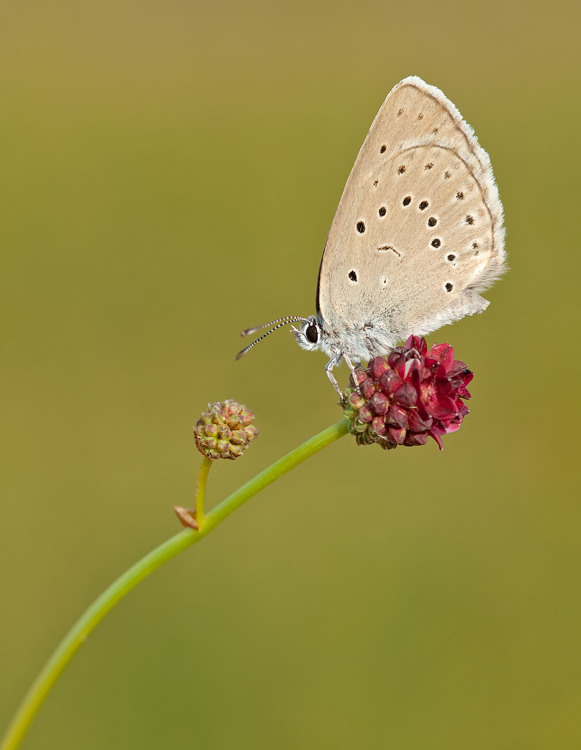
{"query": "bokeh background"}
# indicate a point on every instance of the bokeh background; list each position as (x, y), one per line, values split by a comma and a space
(168, 175)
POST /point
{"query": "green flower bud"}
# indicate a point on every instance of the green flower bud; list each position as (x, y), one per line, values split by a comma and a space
(225, 430)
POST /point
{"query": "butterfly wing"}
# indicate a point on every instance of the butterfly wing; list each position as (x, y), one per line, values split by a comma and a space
(418, 231)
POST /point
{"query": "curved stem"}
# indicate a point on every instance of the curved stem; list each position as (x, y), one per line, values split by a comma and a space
(201, 490)
(157, 557)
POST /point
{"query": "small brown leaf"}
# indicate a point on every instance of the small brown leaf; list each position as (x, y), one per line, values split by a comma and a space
(186, 517)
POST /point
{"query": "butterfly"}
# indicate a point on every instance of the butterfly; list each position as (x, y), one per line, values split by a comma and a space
(417, 235)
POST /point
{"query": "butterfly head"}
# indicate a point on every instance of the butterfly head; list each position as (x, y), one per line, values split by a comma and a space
(308, 335)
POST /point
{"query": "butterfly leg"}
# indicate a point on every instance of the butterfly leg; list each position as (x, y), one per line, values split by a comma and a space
(351, 367)
(335, 359)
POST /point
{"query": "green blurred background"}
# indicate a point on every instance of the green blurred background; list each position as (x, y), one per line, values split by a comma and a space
(168, 175)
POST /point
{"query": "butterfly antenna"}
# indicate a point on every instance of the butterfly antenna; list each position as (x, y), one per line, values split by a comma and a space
(276, 323)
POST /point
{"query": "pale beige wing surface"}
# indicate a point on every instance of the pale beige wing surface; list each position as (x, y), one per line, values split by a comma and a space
(418, 230)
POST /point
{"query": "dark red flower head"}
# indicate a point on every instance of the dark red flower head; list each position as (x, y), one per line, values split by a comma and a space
(408, 395)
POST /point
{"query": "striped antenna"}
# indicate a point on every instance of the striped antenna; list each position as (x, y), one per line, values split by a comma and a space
(276, 323)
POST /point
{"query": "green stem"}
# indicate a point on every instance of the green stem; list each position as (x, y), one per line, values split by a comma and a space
(201, 491)
(109, 598)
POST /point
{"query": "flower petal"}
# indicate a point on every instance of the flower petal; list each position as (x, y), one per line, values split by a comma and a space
(379, 403)
(389, 382)
(397, 435)
(377, 366)
(406, 395)
(418, 343)
(443, 353)
(396, 416)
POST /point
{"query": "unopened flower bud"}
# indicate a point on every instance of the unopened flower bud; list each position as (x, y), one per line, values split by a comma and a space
(225, 430)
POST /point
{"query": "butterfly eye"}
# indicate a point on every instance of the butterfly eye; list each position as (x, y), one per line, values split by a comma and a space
(312, 333)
